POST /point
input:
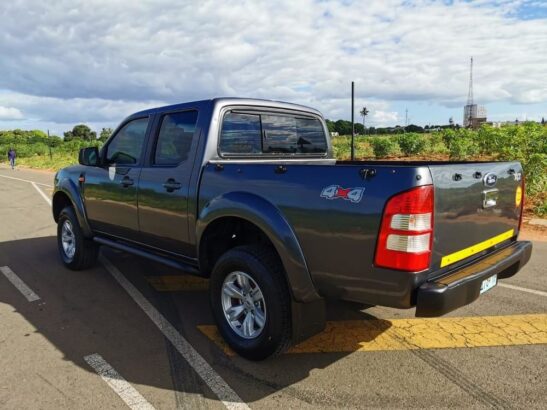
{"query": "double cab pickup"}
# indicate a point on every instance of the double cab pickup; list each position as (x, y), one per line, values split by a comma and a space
(248, 194)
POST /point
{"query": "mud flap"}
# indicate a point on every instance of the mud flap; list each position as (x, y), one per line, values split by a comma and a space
(308, 319)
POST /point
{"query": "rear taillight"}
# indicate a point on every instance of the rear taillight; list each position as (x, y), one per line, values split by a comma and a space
(406, 234)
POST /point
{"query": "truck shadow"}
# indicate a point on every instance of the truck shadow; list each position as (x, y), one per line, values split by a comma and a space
(82, 313)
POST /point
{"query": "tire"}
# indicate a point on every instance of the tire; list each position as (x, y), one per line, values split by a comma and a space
(85, 252)
(263, 268)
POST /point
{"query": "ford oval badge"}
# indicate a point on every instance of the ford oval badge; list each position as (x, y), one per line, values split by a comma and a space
(490, 179)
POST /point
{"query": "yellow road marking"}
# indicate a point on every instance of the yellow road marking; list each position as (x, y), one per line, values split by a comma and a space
(410, 334)
(472, 250)
(174, 283)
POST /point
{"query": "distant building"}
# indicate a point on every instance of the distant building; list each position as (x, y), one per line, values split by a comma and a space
(474, 115)
(334, 134)
(499, 124)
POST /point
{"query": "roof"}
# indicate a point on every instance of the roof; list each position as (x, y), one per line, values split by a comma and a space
(228, 101)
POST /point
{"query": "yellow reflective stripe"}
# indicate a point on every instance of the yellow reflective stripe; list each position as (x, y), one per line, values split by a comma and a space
(472, 250)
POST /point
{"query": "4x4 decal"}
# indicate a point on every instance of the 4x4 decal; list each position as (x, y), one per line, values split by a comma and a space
(349, 194)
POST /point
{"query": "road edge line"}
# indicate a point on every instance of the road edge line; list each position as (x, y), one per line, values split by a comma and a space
(214, 381)
(21, 286)
(26, 180)
(41, 193)
(117, 382)
(533, 291)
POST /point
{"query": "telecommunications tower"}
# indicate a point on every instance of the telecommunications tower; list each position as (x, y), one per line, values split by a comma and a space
(473, 115)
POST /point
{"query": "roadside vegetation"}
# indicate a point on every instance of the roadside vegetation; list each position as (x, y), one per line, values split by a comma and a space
(526, 142)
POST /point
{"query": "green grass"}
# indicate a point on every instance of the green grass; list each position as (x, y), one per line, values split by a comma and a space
(58, 160)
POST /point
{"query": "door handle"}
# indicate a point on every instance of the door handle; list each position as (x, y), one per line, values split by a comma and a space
(126, 181)
(170, 185)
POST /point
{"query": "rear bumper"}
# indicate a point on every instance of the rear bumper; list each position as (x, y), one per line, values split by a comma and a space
(461, 287)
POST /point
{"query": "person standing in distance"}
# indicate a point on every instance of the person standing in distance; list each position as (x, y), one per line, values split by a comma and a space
(11, 156)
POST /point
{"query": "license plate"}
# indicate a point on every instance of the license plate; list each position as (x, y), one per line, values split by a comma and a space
(489, 283)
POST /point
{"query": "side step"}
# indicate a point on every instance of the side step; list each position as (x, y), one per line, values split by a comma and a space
(186, 267)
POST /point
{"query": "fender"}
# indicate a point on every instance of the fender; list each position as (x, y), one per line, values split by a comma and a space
(269, 219)
(72, 191)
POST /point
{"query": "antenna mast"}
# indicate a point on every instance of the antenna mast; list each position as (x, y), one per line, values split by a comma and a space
(470, 93)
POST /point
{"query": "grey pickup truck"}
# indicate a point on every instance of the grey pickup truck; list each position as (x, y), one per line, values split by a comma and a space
(247, 193)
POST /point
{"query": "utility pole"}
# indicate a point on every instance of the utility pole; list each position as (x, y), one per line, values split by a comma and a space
(352, 120)
(406, 120)
(49, 146)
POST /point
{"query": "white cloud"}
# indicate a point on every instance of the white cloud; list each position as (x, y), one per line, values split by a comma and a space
(68, 61)
(10, 113)
(58, 109)
(383, 118)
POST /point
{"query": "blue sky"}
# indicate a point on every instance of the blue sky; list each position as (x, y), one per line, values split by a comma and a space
(532, 10)
(66, 62)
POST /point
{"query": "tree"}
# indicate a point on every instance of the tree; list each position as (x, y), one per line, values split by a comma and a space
(364, 112)
(54, 141)
(107, 132)
(342, 127)
(414, 128)
(542, 121)
(81, 131)
(330, 126)
(68, 136)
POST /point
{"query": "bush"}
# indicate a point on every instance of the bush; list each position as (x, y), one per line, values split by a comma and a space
(384, 147)
(448, 136)
(535, 170)
(435, 144)
(462, 147)
(341, 147)
(363, 149)
(411, 143)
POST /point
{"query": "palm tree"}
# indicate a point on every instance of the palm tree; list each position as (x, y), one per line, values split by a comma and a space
(364, 112)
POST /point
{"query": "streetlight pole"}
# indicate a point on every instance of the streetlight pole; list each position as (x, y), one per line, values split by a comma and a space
(352, 120)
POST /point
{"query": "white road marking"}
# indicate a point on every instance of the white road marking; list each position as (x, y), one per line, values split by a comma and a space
(41, 193)
(535, 292)
(19, 284)
(127, 393)
(215, 382)
(26, 180)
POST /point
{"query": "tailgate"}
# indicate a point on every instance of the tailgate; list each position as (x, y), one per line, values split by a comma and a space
(476, 209)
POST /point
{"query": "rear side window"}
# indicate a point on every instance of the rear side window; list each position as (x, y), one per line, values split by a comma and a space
(175, 138)
(240, 134)
(126, 146)
(293, 135)
(271, 134)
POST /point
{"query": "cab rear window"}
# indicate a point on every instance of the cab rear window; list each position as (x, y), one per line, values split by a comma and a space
(240, 134)
(271, 134)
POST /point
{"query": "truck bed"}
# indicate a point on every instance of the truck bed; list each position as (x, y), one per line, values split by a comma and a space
(339, 235)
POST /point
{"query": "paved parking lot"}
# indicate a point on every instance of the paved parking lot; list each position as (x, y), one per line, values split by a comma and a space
(130, 332)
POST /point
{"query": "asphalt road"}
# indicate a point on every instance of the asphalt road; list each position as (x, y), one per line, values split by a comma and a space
(132, 332)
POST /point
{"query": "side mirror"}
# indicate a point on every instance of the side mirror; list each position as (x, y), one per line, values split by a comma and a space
(89, 156)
